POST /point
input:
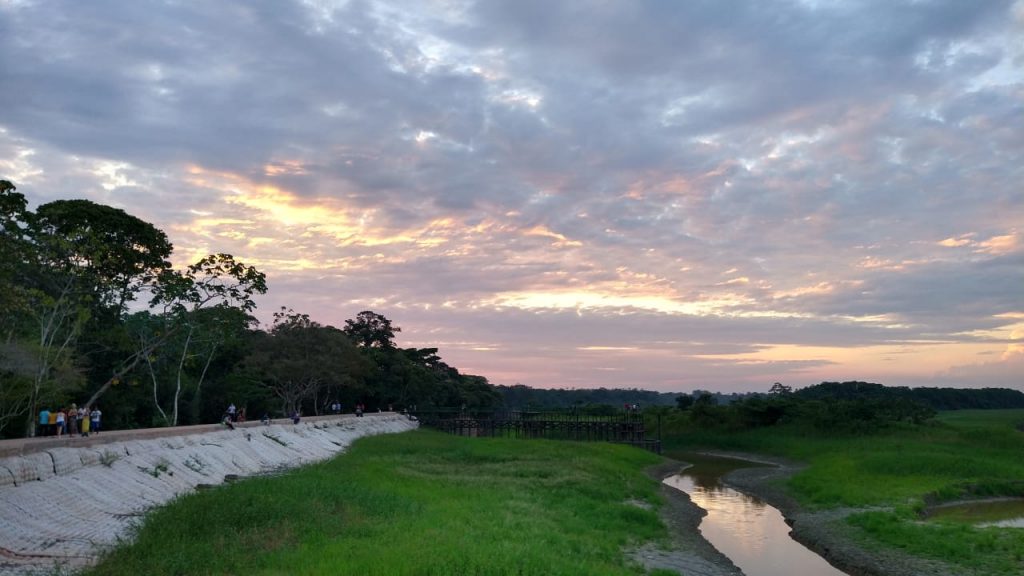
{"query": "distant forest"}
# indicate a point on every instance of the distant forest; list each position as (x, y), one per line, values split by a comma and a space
(521, 397)
(935, 398)
(826, 408)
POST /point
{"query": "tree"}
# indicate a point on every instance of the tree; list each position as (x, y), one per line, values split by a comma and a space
(13, 256)
(300, 358)
(178, 366)
(371, 330)
(215, 282)
(112, 254)
(704, 411)
(78, 261)
(17, 369)
(683, 402)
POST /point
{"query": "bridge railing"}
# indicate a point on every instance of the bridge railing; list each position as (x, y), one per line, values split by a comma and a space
(626, 427)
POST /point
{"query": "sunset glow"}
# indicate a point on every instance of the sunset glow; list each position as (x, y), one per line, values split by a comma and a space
(666, 196)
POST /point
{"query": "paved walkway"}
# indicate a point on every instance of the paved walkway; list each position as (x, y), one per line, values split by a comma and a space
(21, 446)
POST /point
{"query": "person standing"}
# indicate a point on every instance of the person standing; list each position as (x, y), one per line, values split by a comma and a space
(83, 418)
(231, 412)
(73, 420)
(44, 421)
(94, 419)
(61, 422)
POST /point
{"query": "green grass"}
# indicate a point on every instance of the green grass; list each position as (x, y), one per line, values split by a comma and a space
(892, 467)
(989, 551)
(415, 503)
(963, 453)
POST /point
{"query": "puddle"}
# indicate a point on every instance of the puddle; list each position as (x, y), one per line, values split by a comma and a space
(751, 533)
(1007, 513)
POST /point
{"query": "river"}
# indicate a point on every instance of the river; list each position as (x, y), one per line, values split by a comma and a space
(751, 533)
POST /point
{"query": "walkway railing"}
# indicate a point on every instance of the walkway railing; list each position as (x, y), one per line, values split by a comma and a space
(626, 427)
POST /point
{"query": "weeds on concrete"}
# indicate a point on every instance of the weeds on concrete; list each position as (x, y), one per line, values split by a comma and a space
(275, 439)
(108, 457)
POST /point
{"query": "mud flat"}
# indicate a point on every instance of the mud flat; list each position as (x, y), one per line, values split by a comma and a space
(61, 506)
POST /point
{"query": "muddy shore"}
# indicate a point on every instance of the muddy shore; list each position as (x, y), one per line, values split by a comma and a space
(689, 553)
(824, 532)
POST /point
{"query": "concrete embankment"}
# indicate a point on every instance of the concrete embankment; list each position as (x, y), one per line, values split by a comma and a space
(62, 502)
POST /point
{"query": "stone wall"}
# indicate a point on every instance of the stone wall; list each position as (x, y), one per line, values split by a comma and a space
(62, 506)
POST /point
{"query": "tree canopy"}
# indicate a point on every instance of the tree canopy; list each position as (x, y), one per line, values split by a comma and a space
(91, 310)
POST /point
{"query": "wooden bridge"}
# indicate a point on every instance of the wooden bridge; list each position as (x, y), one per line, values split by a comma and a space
(626, 427)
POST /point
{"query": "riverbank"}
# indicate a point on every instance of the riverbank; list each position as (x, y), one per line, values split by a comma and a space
(824, 531)
(62, 505)
(859, 499)
(688, 553)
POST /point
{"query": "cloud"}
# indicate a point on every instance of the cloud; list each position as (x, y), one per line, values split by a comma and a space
(796, 190)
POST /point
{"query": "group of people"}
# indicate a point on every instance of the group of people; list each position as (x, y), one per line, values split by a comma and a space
(233, 415)
(359, 408)
(73, 420)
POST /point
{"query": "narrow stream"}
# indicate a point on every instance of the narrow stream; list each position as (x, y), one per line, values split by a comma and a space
(751, 533)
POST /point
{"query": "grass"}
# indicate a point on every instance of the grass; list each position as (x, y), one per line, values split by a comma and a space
(415, 503)
(962, 453)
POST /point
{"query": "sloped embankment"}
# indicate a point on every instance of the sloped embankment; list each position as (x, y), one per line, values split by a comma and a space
(63, 505)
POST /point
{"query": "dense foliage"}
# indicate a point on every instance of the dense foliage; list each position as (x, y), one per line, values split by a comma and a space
(522, 397)
(93, 313)
(935, 398)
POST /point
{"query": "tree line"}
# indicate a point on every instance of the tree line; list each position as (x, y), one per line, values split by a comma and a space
(92, 312)
(846, 407)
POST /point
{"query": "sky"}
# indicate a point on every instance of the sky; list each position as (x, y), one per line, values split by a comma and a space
(667, 195)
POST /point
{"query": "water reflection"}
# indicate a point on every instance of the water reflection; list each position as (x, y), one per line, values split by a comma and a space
(1005, 513)
(751, 533)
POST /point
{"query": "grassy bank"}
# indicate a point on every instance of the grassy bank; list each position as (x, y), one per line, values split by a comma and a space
(414, 503)
(960, 454)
